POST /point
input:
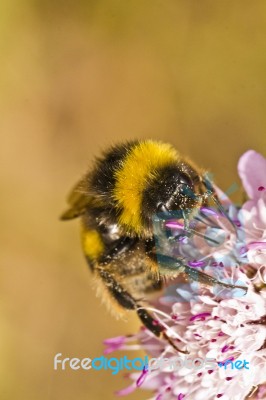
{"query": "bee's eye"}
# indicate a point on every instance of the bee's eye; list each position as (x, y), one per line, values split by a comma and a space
(185, 180)
(161, 208)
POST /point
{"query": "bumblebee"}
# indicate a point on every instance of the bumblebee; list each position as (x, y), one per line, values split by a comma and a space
(116, 202)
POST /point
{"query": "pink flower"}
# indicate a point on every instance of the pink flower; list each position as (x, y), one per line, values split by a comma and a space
(213, 328)
(252, 171)
(213, 324)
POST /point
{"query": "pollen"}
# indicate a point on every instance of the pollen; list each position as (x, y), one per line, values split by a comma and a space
(92, 244)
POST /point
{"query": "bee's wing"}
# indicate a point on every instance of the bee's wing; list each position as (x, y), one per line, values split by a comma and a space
(78, 201)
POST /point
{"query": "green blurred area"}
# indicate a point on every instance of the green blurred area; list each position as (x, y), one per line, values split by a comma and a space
(74, 78)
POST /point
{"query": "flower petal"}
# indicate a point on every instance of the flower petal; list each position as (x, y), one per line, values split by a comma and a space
(252, 171)
(127, 390)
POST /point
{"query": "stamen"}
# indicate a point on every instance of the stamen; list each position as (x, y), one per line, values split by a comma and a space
(223, 211)
(142, 377)
(196, 263)
(178, 225)
(200, 316)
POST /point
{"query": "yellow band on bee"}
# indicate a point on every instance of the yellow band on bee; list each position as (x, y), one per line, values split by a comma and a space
(131, 179)
(92, 244)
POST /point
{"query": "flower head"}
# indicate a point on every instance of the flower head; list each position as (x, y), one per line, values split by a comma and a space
(222, 323)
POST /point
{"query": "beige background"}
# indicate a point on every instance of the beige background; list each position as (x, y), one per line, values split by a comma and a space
(75, 77)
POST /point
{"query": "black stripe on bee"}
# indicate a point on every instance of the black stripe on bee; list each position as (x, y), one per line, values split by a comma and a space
(103, 180)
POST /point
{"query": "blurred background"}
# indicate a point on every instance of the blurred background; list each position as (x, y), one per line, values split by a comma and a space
(76, 76)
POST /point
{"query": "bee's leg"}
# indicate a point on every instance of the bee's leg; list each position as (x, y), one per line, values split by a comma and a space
(125, 300)
(209, 280)
(170, 266)
(155, 327)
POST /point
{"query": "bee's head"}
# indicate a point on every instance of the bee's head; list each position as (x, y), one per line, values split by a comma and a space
(152, 179)
(172, 188)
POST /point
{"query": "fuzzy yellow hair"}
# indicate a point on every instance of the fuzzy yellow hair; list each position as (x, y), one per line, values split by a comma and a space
(131, 179)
